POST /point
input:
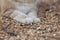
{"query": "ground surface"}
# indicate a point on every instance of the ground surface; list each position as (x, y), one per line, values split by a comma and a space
(47, 29)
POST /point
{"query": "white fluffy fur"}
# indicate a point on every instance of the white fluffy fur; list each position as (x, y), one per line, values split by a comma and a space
(25, 11)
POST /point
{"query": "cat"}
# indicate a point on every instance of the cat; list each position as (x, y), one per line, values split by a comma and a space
(25, 11)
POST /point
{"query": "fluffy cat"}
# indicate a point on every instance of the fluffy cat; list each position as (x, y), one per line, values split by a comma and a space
(25, 11)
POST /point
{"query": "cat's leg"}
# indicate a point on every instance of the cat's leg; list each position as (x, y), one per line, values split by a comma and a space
(21, 17)
(33, 14)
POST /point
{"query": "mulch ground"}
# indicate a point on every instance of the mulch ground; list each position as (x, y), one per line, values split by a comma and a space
(47, 29)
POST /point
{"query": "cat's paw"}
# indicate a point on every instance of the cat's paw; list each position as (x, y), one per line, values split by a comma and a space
(28, 20)
(36, 20)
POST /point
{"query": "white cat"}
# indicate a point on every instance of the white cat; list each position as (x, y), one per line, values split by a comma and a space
(25, 11)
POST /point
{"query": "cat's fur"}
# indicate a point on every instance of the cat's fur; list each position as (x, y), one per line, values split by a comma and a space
(25, 11)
